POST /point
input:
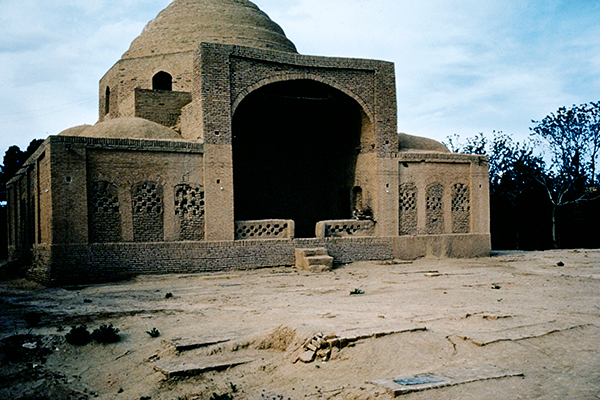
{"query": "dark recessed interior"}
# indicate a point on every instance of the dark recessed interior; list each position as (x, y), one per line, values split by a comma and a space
(295, 146)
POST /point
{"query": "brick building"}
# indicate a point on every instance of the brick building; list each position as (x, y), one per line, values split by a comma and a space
(218, 147)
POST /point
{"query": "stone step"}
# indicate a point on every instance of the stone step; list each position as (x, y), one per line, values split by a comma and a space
(313, 259)
(319, 260)
(315, 251)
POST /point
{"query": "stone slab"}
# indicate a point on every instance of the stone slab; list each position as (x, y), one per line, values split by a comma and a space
(183, 344)
(367, 333)
(190, 369)
(427, 381)
(519, 332)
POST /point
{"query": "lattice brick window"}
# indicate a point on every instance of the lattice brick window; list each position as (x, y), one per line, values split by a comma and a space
(264, 229)
(461, 208)
(407, 206)
(104, 213)
(345, 228)
(435, 209)
(189, 208)
(148, 212)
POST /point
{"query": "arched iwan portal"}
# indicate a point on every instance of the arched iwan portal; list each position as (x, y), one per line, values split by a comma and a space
(295, 148)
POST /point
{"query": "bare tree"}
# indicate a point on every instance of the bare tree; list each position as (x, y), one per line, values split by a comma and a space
(573, 137)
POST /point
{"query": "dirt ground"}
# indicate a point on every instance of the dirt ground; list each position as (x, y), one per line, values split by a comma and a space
(517, 325)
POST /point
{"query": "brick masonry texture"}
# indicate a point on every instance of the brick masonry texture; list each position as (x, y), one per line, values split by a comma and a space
(78, 264)
(91, 209)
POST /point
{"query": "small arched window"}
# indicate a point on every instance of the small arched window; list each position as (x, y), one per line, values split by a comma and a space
(107, 101)
(162, 81)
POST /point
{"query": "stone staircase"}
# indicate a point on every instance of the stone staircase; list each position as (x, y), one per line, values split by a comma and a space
(314, 259)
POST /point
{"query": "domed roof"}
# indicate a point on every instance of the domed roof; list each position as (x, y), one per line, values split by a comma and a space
(74, 131)
(410, 143)
(125, 128)
(184, 24)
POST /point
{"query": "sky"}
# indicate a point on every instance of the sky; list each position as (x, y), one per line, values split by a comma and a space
(462, 66)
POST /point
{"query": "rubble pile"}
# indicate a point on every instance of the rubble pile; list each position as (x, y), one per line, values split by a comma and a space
(320, 346)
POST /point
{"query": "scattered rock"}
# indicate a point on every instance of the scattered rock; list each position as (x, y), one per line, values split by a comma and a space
(307, 356)
(324, 354)
(270, 396)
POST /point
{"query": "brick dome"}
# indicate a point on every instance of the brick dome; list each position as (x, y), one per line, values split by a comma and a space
(120, 128)
(184, 24)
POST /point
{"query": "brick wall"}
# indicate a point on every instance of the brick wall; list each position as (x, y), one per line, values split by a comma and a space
(79, 264)
(136, 73)
(160, 106)
(442, 193)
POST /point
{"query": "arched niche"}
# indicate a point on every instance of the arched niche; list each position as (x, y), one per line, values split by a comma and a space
(162, 81)
(295, 150)
(107, 101)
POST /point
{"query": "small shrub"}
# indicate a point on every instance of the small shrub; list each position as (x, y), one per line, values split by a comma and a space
(79, 336)
(32, 319)
(224, 396)
(106, 334)
(169, 295)
(154, 333)
(357, 291)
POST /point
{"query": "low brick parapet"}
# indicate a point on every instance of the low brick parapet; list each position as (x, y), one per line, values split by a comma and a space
(264, 229)
(345, 228)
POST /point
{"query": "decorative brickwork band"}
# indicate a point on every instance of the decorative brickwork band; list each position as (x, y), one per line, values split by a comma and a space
(189, 208)
(148, 212)
(104, 213)
(264, 229)
(461, 208)
(407, 205)
(345, 228)
(435, 209)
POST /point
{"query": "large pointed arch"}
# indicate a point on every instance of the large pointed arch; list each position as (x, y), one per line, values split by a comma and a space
(295, 149)
(297, 77)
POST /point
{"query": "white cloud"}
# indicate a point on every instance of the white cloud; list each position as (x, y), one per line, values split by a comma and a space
(463, 66)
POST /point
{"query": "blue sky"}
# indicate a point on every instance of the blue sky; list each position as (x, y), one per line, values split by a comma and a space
(462, 66)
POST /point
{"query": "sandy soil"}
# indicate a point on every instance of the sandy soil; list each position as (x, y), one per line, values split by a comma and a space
(518, 325)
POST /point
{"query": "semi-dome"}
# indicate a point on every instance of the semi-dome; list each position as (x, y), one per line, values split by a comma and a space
(75, 130)
(125, 128)
(410, 143)
(184, 24)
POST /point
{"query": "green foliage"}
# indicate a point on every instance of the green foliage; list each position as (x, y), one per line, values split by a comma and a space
(106, 334)
(516, 171)
(356, 291)
(224, 396)
(514, 167)
(154, 333)
(32, 319)
(78, 336)
(12, 162)
(526, 192)
(572, 135)
(14, 158)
